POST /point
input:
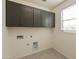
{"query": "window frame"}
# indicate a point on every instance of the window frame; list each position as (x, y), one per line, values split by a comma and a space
(69, 31)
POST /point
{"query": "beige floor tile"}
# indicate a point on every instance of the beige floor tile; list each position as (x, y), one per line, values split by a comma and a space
(46, 54)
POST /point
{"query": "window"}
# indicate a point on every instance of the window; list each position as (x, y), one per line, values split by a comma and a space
(69, 19)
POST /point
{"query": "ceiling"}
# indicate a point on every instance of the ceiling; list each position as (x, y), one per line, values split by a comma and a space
(46, 4)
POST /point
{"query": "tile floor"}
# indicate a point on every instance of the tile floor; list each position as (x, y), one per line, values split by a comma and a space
(46, 54)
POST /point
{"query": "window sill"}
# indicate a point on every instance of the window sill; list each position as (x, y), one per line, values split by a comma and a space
(69, 31)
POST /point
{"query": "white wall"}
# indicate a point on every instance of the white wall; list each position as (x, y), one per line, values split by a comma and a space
(18, 48)
(5, 49)
(64, 42)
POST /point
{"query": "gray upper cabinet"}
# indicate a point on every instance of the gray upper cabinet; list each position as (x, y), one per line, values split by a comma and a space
(18, 15)
(48, 19)
(12, 14)
(52, 19)
(37, 18)
(26, 16)
(45, 21)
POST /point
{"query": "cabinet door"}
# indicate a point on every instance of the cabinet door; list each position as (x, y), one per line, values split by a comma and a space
(48, 19)
(52, 20)
(37, 18)
(45, 21)
(12, 14)
(26, 16)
